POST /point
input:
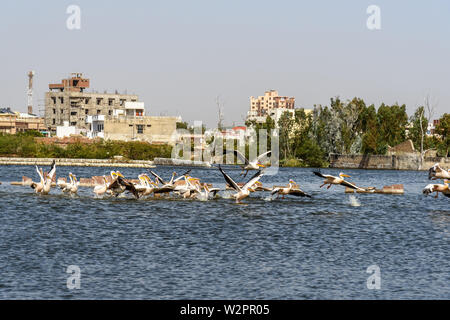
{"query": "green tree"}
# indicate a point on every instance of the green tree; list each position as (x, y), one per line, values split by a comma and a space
(443, 130)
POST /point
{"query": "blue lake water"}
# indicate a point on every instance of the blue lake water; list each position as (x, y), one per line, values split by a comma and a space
(296, 248)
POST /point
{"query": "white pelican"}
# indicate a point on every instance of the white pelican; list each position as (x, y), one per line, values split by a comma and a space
(73, 185)
(330, 180)
(38, 187)
(255, 164)
(207, 193)
(146, 185)
(436, 172)
(444, 188)
(187, 189)
(48, 178)
(101, 189)
(242, 192)
(292, 189)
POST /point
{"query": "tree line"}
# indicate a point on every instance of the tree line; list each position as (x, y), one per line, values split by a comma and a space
(352, 127)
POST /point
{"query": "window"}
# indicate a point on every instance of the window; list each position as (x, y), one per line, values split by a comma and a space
(73, 124)
(140, 129)
(54, 121)
(86, 111)
(54, 111)
(73, 113)
(99, 101)
(110, 102)
(99, 111)
(61, 99)
(110, 112)
(54, 100)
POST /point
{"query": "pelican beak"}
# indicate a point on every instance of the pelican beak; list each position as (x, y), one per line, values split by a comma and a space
(260, 165)
(345, 175)
(120, 175)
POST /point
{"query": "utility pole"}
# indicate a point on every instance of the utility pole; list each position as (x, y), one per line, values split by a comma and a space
(30, 92)
(219, 104)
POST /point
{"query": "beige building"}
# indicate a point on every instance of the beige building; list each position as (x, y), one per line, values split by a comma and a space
(161, 130)
(67, 101)
(263, 106)
(14, 122)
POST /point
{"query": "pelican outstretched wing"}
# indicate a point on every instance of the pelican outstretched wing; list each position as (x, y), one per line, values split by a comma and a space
(158, 177)
(128, 186)
(299, 193)
(253, 179)
(229, 180)
(237, 154)
(319, 174)
(52, 171)
(350, 185)
(183, 175)
(274, 191)
(265, 154)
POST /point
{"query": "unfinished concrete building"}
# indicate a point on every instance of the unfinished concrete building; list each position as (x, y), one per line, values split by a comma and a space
(68, 101)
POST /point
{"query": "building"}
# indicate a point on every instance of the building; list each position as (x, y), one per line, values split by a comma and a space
(13, 122)
(131, 124)
(67, 131)
(157, 130)
(263, 106)
(68, 101)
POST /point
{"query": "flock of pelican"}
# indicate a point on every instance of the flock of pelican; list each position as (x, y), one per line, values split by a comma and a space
(188, 187)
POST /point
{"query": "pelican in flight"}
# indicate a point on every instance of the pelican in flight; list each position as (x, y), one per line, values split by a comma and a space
(255, 164)
(244, 191)
(330, 180)
(292, 189)
(436, 172)
(443, 188)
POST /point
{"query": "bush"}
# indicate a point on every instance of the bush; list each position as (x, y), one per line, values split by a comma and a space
(24, 145)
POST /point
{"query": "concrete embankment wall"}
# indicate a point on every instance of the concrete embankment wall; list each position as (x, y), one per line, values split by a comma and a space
(102, 162)
(180, 162)
(76, 162)
(388, 162)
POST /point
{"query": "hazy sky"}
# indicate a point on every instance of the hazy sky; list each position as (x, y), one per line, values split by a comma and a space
(179, 55)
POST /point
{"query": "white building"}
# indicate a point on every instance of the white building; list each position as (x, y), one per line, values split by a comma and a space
(66, 131)
(97, 126)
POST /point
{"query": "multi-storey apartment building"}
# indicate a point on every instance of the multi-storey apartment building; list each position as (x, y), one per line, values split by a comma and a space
(269, 104)
(68, 102)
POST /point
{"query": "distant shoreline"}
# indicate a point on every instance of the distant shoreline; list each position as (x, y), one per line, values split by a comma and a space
(67, 162)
